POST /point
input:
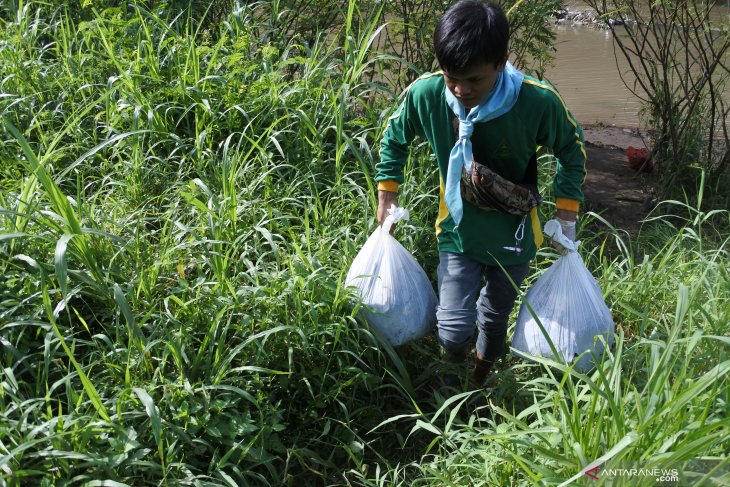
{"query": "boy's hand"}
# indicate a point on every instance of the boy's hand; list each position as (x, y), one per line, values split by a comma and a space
(566, 218)
(561, 231)
(385, 200)
(568, 228)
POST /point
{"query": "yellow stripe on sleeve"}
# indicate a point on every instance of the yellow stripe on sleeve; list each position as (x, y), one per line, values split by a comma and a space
(567, 204)
(567, 112)
(391, 186)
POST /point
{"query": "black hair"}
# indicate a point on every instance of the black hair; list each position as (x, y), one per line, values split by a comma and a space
(471, 33)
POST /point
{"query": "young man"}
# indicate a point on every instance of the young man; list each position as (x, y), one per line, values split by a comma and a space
(480, 108)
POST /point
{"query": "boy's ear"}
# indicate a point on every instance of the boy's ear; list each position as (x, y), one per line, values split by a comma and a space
(503, 63)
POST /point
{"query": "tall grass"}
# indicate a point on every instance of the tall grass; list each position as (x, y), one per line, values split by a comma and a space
(179, 207)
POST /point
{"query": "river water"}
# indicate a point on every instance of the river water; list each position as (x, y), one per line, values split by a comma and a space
(588, 75)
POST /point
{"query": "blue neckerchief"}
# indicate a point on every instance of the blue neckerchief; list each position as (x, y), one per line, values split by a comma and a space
(499, 101)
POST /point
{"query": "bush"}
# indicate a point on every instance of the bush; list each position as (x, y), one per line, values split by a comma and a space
(676, 52)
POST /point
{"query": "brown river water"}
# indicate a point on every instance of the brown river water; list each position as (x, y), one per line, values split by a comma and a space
(589, 75)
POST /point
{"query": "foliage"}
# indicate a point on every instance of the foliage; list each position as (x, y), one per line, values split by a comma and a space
(678, 55)
(406, 37)
(178, 209)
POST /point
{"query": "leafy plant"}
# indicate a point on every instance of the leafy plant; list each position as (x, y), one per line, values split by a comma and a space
(677, 55)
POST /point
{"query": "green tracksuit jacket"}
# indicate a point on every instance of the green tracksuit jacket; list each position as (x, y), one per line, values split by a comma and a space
(505, 144)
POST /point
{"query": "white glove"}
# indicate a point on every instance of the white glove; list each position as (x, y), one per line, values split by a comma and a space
(568, 228)
(395, 214)
(554, 230)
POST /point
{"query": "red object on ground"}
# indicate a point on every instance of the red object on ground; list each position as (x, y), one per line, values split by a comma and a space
(638, 158)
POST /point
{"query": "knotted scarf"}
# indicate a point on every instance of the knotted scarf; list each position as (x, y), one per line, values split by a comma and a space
(499, 101)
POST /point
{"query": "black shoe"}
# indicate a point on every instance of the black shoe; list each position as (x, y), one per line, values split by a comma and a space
(448, 377)
(481, 370)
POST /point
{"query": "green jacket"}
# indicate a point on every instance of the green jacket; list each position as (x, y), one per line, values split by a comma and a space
(505, 144)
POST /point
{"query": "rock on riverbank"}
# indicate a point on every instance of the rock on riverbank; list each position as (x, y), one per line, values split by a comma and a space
(584, 17)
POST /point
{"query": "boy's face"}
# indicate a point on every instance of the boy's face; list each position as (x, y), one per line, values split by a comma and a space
(473, 85)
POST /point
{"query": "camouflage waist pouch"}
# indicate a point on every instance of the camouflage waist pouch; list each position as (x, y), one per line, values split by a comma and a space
(489, 191)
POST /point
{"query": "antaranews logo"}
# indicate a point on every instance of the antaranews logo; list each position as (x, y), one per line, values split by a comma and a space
(658, 474)
(592, 472)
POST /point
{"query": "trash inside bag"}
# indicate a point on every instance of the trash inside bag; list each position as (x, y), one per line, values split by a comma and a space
(568, 303)
(400, 301)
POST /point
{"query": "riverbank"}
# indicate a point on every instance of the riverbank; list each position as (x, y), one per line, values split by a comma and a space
(612, 189)
(586, 16)
(615, 137)
(578, 13)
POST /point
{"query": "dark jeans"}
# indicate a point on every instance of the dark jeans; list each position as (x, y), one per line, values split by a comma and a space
(461, 303)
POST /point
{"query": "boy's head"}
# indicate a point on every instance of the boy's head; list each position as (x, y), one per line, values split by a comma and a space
(471, 33)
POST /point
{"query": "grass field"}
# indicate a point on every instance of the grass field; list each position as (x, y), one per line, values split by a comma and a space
(178, 210)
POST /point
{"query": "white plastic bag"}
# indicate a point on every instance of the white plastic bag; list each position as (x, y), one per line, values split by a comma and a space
(569, 304)
(391, 283)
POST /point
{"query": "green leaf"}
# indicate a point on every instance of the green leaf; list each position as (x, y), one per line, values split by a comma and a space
(154, 415)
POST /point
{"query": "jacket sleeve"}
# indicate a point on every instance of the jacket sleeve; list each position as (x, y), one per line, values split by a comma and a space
(401, 128)
(564, 136)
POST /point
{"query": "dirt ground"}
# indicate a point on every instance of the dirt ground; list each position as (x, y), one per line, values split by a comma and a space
(612, 188)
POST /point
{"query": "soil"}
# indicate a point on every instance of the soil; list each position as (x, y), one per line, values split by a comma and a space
(612, 189)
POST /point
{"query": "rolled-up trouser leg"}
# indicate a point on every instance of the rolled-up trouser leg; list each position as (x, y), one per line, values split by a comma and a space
(459, 279)
(496, 301)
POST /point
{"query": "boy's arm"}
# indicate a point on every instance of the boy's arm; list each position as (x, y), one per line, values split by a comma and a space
(566, 139)
(385, 200)
(400, 130)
